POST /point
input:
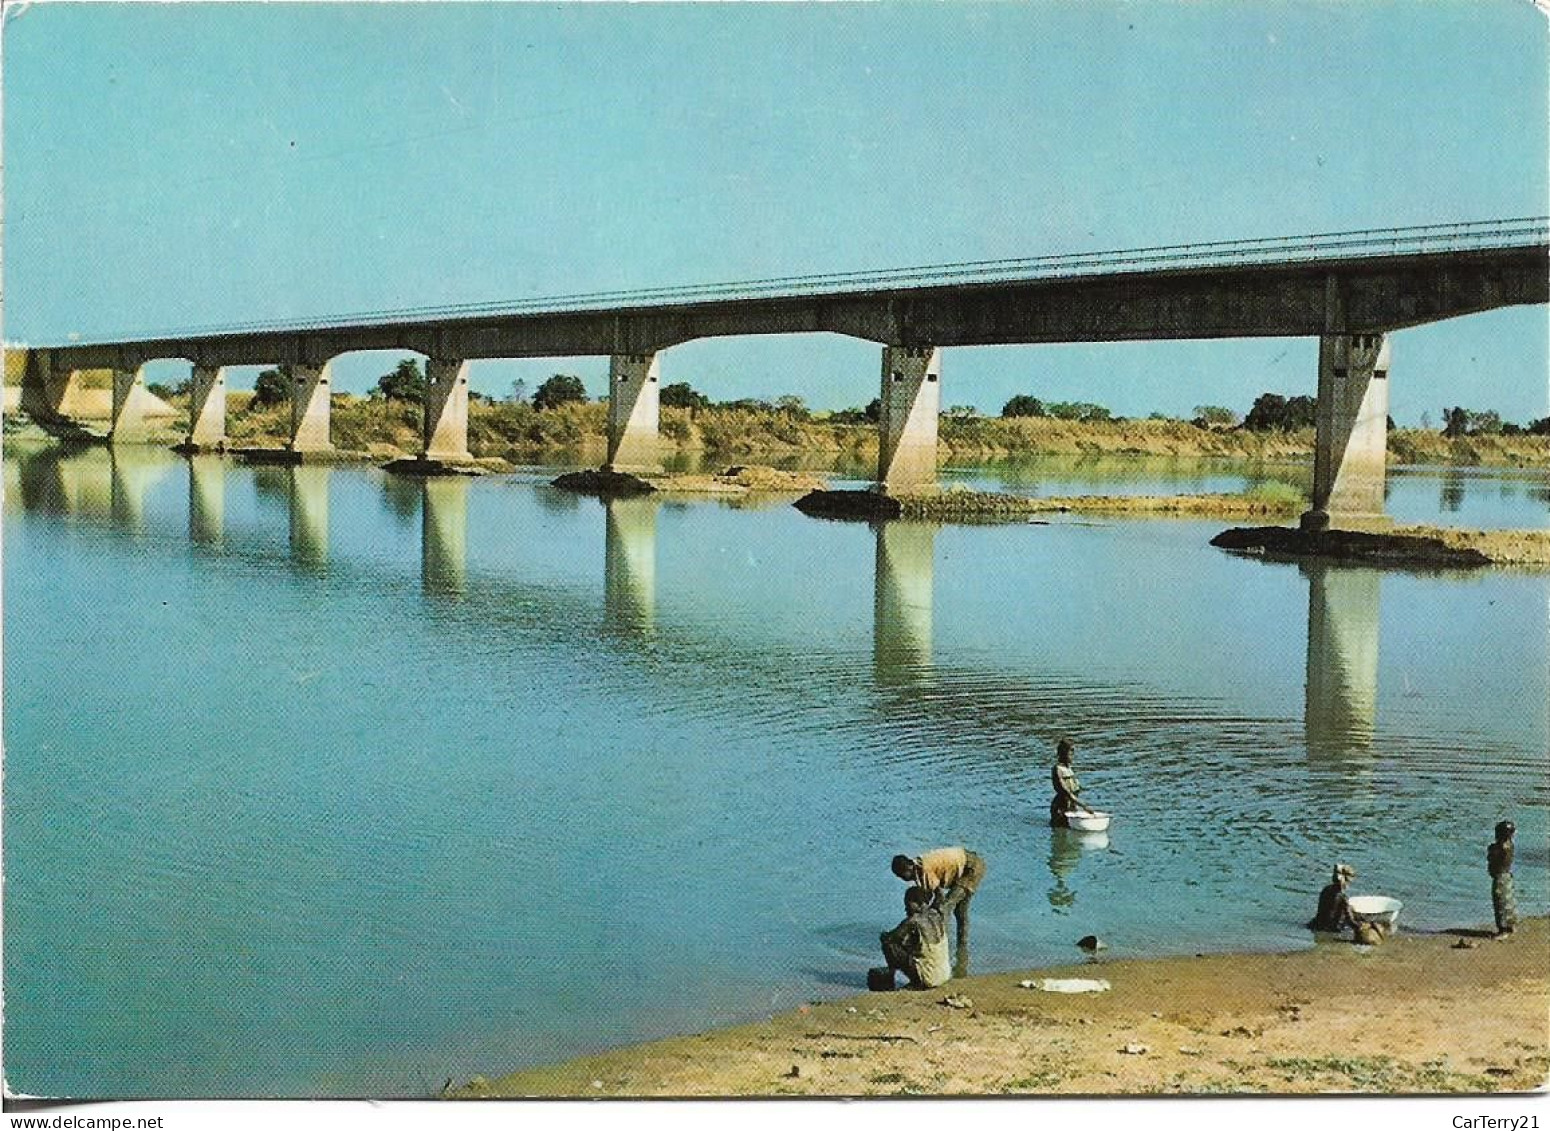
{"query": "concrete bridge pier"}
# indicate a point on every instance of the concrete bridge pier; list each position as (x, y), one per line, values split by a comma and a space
(911, 401)
(131, 399)
(206, 409)
(46, 387)
(445, 435)
(633, 392)
(310, 390)
(1351, 449)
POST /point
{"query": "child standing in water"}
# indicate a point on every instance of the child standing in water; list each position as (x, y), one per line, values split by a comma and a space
(1498, 861)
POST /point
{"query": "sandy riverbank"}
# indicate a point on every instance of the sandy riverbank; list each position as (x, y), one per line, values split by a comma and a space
(1502, 547)
(1421, 1014)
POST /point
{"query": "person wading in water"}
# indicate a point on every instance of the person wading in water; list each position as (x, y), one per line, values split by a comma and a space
(1063, 778)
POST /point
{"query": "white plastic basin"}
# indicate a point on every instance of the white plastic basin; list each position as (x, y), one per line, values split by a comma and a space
(1088, 822)
(1375, 909)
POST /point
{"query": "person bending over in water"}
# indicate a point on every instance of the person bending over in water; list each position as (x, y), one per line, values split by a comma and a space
(943, 872)
(917, 947)
(1498, 862)
(1063, 778)
(1334, 913)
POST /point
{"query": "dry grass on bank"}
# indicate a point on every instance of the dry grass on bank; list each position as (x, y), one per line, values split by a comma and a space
(520, 433)
(948, 505)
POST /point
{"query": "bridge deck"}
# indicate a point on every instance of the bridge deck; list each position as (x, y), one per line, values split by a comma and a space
(1346, 282)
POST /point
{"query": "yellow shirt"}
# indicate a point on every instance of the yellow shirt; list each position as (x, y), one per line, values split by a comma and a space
(941, 867)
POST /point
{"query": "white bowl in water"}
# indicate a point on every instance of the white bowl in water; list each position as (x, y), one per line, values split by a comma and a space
(1375, 909)
(1088, 822)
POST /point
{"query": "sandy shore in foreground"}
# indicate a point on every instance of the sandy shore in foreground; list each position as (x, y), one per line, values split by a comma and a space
(1446, 1012)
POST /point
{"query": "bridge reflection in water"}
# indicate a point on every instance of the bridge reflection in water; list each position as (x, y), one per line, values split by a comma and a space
(112, 484)
(95, 483)
(207, 500)
(444, 535)
(309, 514)
(903, 584)
(1341, 701)
(630, 565)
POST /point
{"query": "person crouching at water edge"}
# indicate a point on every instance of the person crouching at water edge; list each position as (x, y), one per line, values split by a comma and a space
(917, 947)
(1334, 913)
(1498, 862)
(937, 871)
(1063, 778)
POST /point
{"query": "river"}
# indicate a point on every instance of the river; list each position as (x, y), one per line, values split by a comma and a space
(323, 782)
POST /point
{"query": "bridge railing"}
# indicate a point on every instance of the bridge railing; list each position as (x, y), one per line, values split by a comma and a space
(1368, 243)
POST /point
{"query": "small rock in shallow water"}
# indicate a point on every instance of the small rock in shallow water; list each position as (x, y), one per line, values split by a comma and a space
(1092, 942)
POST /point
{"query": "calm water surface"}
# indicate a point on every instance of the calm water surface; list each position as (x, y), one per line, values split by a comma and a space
(323, 782)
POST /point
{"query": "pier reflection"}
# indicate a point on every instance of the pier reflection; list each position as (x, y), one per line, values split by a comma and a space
(12, 470)
(75, 482)
(630, 565)
(1341, 705)
(904, 578)
(135, 470)
(93, 482)
(308, 496)
(206, 499)
(444, 535)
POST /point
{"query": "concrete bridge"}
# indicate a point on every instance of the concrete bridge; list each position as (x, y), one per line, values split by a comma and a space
(1351, 290)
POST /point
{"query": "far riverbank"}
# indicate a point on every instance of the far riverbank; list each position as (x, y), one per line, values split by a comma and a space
(1450, 1012)
(517, 433)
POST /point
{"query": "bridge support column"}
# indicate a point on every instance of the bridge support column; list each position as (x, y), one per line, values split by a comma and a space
(310, 390)
(206, 408)
(46, 388)
(1351, 446)
(633, 412)
(130, 400)
(911, 402)
(445, 423)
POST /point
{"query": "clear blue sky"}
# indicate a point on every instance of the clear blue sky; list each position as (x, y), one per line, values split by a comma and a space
(184, 165)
